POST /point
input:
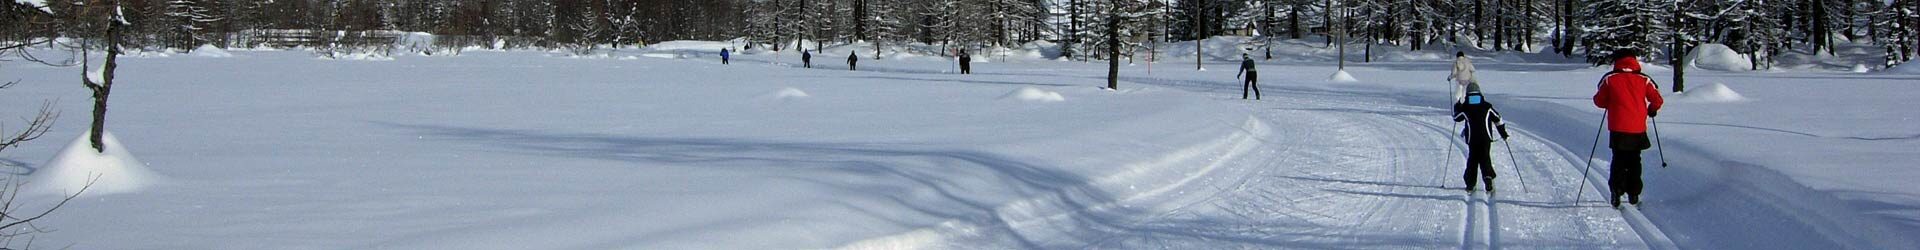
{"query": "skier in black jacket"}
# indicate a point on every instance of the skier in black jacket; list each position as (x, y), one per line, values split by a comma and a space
(852, 59)
(1481, 119)
(806, 58)
(966, 62)
(1253, 77)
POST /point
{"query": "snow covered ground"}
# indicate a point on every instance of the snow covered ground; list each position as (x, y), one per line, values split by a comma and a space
(667, 149)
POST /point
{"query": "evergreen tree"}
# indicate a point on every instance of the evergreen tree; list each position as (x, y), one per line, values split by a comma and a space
(1899, 29)
(1614, 25)
(189, 21)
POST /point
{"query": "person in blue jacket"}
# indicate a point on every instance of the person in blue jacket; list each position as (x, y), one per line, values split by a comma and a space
(724, 55)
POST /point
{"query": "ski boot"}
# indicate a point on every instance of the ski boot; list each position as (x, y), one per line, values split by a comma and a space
(1489, 182)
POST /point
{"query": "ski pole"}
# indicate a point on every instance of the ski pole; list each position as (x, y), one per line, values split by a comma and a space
(1656, 142)
(1516, 166)
(1450, 145)
(1582, 189)
(1443, 167)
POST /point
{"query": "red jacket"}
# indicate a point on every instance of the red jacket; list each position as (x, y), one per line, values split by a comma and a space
(1627, 95)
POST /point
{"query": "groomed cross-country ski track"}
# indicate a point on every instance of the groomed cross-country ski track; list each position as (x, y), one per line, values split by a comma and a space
(1324, 169)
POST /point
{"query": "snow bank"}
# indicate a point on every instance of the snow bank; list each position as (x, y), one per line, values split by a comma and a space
(1860, 68)
(112, 172)
(1715, 93)
(1031, 94)
(415, 42)
(360, 57)
(690, 45)
(1906, 69)
(210, 51)
(661, 55)
(1342, 76)
(1715, 56)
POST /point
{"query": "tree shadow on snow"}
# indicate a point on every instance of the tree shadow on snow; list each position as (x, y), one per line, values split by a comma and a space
(972, 187)
(965, 81)
(17, 168)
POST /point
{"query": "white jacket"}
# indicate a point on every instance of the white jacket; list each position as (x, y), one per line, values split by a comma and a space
(1462, 76)
(1462, 71)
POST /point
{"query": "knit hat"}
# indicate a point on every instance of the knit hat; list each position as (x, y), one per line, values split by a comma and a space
(1473, 88)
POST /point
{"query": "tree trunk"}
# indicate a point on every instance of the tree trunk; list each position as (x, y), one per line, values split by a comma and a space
(1679, 54)
(1293, 20)
(1479, 30)
(1113, 48)
(1200, 37)
(1328, 15)
(102, 89)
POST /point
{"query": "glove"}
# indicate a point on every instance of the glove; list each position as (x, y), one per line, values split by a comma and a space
(1653, 113)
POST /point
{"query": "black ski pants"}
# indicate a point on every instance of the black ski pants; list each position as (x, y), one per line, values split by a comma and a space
(1624, 178)
(1253, 82)
(1479, 161)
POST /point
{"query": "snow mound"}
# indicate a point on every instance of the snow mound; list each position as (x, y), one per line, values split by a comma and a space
(1860, 68)
(1714, 92)
(112, 172)
(785, 94)
(1715, 56)
(1031, 94)
(210, 51)
(1342, 76)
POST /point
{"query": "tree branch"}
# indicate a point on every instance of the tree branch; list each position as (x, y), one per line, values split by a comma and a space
(56, 206)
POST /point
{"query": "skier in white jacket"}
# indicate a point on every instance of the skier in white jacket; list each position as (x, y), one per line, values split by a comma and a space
(1462, 75)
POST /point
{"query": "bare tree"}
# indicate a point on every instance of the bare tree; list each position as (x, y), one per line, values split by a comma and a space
(43, 121)
(15, 223)
(104, 86)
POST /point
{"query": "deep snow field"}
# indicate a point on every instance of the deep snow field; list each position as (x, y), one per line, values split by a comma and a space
(665, 148)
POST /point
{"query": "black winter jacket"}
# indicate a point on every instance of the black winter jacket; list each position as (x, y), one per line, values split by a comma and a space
(1481, 119)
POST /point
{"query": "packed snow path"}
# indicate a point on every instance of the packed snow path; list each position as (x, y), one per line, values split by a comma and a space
(1359, 170)
(1353, 169)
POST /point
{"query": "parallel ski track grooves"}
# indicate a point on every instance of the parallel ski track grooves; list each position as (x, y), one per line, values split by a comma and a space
(1649, 233)
(1480, 220)
(1469, 230)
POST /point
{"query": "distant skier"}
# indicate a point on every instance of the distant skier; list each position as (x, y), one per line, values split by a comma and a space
(1629, 97)
(1481, 119)
(1253, 77)
(1462, 75)
(853, 60)
(725, 55)
(806, 58)
(966, 62)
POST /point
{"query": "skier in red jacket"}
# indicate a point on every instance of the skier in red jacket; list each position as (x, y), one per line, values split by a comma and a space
(1629, 97)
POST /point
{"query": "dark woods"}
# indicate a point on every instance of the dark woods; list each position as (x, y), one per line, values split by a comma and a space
(1573, 28)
